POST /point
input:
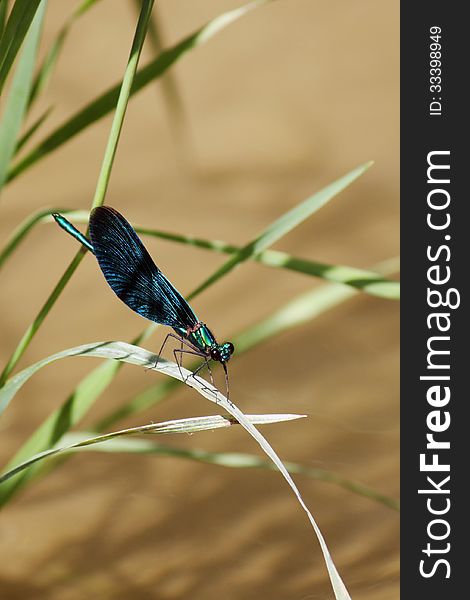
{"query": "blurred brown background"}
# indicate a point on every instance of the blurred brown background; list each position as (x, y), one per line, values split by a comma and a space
(278, 105)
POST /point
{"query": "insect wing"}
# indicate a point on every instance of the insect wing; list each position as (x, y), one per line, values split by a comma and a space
(132, 274)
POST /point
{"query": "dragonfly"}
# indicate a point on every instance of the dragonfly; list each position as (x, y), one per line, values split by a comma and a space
(139, 283)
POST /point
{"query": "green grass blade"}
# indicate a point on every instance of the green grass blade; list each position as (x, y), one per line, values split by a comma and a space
(118, 442)
(23, 229)
(59, 422)
(46, 70)
(284, 224)
(123, 100)
(107, 101)
(150, 397)
(3, 15)
(232, 460)
(44, 73)
(15, 107)
(36, 324)
(101, 187)
(69, 414)
(75, 407)
(32, 129)
(120, 351)
(366, 281)
(361, 279)
(19, 21)
(189, 425)
(301, 310)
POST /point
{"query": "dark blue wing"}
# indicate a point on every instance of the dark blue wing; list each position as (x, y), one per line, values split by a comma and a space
(132, 274)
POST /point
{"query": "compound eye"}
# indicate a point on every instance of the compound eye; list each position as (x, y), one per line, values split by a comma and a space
(215, 354)
(230, 347)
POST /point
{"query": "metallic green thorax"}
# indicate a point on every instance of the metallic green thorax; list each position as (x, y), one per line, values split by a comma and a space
(203, 339)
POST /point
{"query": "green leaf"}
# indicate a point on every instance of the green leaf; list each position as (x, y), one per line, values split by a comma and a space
(107, 101)
(15, 107)
(19, 21)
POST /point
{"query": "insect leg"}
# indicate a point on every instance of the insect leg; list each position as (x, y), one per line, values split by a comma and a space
(195, 352)
(178, 355)
(180, 361)
(205, 364)
(226, 381)
(176, 337)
